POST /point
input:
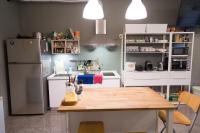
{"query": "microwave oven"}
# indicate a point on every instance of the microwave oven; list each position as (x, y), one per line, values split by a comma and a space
(183, 50)
(179, 64)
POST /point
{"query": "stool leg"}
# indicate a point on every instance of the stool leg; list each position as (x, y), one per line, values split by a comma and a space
(163, 129)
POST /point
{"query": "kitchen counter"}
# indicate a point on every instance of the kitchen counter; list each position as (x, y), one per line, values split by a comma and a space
(120, 109)
(54, 77)
(63, 76)
(57, 85)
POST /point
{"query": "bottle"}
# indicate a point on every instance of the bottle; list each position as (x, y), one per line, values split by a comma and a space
(69, 70)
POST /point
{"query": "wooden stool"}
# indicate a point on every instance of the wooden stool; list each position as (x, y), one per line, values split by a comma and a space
(91, 127)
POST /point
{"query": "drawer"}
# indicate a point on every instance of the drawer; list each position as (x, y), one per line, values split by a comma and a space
(179, 81)
(147, 75)
(144, 82)
(111, 83)
(180, 75)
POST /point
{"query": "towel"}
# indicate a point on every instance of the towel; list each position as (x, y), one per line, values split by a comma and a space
(98, 78)
(86, 79)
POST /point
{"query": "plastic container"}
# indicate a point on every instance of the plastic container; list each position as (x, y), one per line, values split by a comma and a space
(135, 28)
(156, 28)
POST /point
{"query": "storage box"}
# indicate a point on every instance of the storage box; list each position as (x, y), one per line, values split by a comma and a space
(156, 28)
(196, 90)
(130, 66)
(135, 28)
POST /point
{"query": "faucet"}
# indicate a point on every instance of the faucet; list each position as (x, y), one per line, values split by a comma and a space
(85, 69)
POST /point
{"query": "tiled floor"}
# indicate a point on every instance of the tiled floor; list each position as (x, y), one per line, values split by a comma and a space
(53, 122)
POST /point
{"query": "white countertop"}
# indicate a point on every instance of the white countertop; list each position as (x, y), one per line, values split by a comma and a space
(52, 77)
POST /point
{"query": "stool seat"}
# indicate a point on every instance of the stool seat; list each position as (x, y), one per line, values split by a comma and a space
(91, 127)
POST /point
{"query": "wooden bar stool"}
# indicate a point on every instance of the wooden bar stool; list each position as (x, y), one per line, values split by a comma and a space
(91, 127)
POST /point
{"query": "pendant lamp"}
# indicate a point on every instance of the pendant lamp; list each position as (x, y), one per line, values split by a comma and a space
(136, 10)
(93, 10)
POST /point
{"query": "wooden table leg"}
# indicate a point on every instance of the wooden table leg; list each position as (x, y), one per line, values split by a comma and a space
(67, 122)
(169, 122)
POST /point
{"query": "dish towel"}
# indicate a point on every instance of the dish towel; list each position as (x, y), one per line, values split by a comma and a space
(98, 78)
(86, 78)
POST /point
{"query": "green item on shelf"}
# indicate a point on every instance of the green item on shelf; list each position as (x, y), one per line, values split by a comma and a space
(69, 34)
(173, 97)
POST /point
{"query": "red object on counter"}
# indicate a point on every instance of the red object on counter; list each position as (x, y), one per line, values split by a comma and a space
(98, 78)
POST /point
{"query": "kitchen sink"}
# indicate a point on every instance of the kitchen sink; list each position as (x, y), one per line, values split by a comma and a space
(61, 75)
(108, 74)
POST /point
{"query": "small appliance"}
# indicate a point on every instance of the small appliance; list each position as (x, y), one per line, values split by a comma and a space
(139, 68)
(179, 64)
(165, 63)
(148, 66)
(130, 66)
(180, 50)
(160, 66)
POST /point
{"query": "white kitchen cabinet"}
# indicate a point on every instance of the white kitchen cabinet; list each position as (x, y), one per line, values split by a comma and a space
(57, 86)
(111, 83)
(57, 90)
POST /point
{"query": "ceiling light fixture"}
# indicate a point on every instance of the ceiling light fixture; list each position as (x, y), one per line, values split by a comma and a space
(136, 10)
(93, 10)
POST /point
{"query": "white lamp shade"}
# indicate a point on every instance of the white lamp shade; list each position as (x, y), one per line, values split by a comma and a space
(136, 10)
(93, 10)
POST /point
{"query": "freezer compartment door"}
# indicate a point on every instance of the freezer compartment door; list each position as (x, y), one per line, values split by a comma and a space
(26, 89)
(23, 51)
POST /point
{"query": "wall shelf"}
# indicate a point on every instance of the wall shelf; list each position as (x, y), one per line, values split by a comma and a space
(146, 42)
(138, 34)
(181, 42)
(65, 46)
(147, 52)
(173, 56)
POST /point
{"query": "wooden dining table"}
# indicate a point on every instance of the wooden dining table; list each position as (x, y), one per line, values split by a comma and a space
(121, 99)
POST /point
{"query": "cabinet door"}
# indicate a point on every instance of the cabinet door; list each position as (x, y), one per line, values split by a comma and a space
(111, 83)
(57, 90)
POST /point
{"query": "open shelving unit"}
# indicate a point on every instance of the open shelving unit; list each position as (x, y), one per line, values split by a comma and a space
(162, 48)
(64, 46)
